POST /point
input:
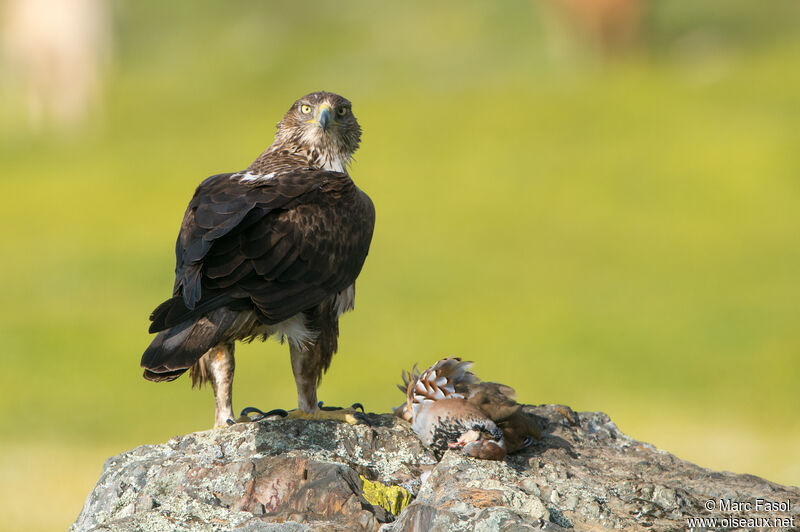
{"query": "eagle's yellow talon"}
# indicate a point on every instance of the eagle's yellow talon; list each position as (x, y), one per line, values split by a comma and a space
(346, 415)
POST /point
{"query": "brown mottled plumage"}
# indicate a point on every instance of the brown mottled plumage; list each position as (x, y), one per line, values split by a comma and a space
(271, 250)
(499, 402)
(450, 408)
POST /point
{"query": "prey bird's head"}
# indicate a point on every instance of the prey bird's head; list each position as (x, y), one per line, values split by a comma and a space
(322, 125)
(481, 441)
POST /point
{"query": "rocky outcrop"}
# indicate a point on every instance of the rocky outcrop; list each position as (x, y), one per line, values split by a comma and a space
(292, 475)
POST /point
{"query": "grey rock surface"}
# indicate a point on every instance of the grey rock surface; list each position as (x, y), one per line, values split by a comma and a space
(294, 475)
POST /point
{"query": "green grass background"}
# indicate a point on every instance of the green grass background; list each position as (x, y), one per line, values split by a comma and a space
(620, 236)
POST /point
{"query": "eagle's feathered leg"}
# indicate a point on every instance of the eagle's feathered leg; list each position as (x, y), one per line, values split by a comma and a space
(306, 375)
(310, 360)
(216, 367)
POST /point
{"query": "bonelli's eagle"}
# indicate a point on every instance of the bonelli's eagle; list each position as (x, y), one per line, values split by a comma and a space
(273, 250)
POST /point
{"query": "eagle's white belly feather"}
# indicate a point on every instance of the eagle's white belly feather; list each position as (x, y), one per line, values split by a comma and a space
(294, 330)
(345, 300)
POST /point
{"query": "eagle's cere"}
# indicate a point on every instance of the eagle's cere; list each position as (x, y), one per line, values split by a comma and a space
(450, 408)
(273, 250)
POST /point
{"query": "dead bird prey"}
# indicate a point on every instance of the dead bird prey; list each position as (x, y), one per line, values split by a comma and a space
(449, 408)
(273, 250)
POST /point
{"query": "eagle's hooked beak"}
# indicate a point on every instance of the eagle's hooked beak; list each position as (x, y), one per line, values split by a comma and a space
(324, 117)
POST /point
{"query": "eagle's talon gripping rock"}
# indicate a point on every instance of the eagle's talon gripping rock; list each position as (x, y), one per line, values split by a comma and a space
(346, 415)
(245, 417)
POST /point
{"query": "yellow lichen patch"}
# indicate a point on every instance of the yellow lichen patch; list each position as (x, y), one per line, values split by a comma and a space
(392, 498)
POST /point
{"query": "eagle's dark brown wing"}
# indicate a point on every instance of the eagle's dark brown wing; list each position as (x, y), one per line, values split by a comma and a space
(278, 245)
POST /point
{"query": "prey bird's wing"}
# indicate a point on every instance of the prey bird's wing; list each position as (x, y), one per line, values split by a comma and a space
(278, 245)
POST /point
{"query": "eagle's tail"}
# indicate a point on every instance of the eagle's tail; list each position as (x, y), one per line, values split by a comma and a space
(176, 349)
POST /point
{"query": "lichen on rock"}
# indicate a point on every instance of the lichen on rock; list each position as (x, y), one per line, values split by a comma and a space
(391, 498)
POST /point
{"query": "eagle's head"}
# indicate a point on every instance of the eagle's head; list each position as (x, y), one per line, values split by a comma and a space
(322, 125)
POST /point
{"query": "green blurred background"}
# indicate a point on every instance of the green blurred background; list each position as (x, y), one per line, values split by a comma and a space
(601, 214)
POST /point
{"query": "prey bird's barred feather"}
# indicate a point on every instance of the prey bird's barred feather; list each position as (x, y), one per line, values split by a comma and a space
(447, 378)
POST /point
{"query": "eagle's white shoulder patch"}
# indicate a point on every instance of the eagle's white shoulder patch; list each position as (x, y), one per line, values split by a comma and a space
(248, 176)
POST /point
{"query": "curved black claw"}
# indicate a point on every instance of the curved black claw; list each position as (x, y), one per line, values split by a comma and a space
(244, 416)
(230, 421)
(329, 408)
(261, 415)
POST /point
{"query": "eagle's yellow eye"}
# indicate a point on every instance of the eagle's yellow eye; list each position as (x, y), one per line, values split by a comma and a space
(341, 111)
(305, 109)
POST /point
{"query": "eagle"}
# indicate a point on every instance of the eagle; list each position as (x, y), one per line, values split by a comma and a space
(270, 251)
